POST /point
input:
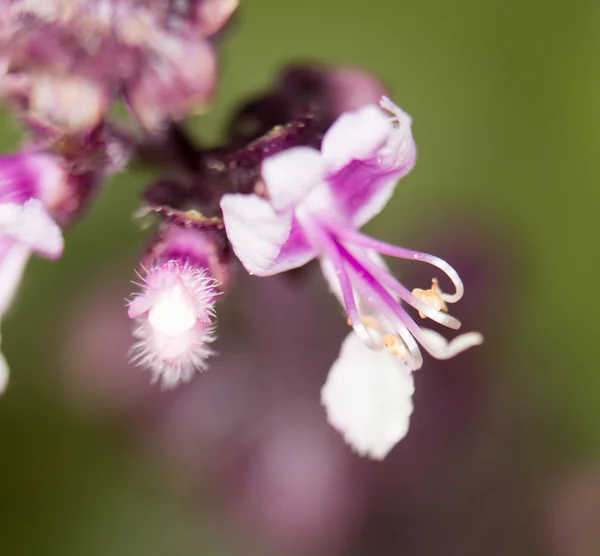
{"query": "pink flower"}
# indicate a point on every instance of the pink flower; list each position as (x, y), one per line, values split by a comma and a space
(313, 205)
(64, 63)
(28, 182)
(174, 312)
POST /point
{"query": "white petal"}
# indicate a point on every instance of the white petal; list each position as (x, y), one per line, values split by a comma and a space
(355, 136)
(440, 348)
(368, 398)
(173, 313)
(31, 225)
(290, 174)
(255, 230)
(13, 260)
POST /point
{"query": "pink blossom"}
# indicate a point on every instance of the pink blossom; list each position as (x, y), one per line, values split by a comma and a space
(313, 204)
(28, 182)
(65, 63)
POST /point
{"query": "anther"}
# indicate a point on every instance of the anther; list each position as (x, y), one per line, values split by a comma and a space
(432, 297)
(395, 346)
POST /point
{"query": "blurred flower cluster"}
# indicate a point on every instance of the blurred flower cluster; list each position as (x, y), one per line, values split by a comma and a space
(98, 84)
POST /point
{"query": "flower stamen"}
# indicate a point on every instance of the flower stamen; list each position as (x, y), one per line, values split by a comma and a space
(395, 346)
(432, 297)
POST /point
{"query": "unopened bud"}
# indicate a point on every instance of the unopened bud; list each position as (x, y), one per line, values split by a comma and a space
(175, 311)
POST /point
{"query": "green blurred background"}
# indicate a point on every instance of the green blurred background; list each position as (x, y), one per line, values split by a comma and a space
(505, 98)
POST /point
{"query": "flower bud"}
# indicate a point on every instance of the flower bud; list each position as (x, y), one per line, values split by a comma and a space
(301, 90)
(184, 272)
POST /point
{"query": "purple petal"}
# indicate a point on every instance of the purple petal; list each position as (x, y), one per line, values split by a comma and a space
(295, 252)
(24, 176)
(362, 190)
(290, 175)
(364, 185)
(18, 179)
